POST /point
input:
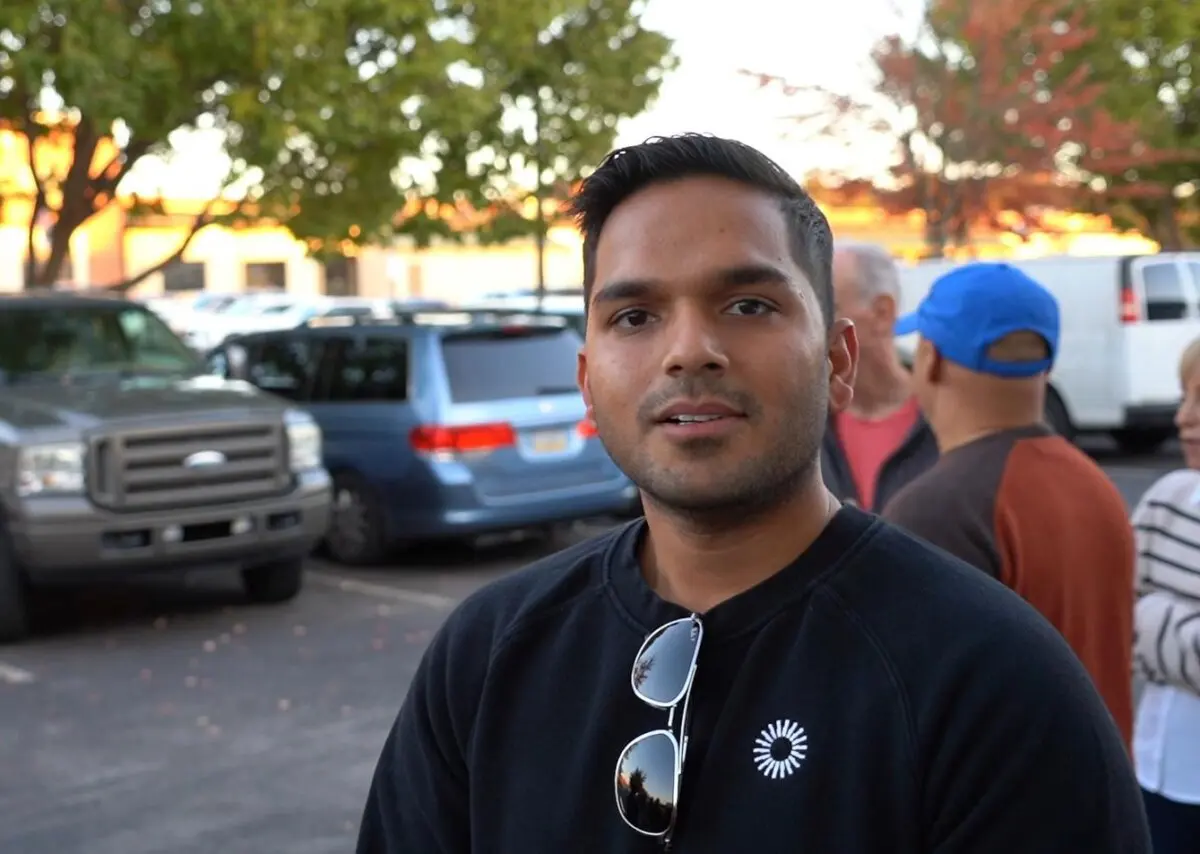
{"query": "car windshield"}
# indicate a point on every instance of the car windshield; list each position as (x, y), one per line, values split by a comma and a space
(212, 302)
(71, 340)
(254, 305)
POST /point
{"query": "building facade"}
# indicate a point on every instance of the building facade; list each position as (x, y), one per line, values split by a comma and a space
(114, 245)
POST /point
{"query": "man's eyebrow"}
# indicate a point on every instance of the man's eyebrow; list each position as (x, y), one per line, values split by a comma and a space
(754, 274)
(623, 290)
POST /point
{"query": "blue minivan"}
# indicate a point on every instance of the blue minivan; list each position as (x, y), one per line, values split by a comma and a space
(440, 426)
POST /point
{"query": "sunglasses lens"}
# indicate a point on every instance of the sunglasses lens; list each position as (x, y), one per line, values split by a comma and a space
(660, 673)
(646, 783)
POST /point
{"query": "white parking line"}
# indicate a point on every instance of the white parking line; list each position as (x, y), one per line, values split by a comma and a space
(14, 675)
(382, 591)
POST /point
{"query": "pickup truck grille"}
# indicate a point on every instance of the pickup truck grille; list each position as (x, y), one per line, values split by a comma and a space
(188, 467)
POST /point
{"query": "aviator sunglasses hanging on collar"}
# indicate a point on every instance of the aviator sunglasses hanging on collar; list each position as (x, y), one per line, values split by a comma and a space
(650, 767)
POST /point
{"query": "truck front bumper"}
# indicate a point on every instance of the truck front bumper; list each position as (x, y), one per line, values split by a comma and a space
(68, 538)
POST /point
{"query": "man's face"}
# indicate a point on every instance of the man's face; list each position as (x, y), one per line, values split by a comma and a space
(707, 369)
(1187, 418)
(873, 318)
(847, 302)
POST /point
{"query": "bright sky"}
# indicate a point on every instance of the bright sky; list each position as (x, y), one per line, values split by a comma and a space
(823, 44)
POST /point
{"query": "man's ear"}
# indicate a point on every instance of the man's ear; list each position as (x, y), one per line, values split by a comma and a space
(929, 362)
(884, 310)
(581, 377)
(842, 360)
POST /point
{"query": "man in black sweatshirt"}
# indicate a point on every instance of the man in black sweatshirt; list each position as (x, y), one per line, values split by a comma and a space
(751, 667)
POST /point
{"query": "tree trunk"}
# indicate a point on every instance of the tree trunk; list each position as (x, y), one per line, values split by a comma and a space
(1165, 227)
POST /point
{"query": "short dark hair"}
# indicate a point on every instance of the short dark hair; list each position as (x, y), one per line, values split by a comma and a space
(670, 158)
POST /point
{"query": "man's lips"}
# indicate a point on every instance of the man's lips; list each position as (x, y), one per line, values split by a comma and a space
(697, 412)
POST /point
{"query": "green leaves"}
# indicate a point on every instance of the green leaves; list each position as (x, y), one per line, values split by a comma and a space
(324, 106)
(1144, 51)
(558, 76)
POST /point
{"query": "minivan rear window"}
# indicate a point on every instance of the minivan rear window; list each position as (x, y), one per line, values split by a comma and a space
(505, 364)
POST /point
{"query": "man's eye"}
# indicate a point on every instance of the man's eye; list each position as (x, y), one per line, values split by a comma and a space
(631, 318)
(750, 307)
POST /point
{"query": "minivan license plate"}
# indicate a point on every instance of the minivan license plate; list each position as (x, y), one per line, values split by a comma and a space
(550, 442)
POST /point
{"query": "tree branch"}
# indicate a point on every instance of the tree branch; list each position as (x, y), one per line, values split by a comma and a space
(203, 219)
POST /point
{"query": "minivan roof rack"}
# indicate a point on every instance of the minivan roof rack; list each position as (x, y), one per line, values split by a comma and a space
(466, 316)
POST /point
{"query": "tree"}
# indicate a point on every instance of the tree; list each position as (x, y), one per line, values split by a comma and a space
(1144, 52)
(560, 89)
(985, 115)
(315, 105)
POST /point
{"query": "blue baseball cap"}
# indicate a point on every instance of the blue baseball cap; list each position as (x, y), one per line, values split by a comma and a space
(973, 306)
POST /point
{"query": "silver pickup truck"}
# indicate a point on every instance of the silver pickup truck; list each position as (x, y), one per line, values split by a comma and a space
(119, 454)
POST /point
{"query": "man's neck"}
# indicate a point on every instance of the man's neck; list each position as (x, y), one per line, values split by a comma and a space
(881, 387)
(951, 436)
(699, 568)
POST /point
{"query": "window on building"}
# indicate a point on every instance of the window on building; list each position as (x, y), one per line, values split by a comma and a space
(341, 276)
(183, 276)
(266, 275)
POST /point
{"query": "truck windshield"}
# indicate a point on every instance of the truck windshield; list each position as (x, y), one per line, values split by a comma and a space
(72, 339)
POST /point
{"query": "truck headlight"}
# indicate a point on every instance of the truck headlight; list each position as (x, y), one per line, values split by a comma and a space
(51, 469)
(304, 441)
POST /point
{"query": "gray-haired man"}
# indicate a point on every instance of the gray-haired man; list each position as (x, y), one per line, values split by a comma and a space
(881, 442)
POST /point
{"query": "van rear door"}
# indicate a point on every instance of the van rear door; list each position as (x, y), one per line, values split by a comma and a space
(1160, 314)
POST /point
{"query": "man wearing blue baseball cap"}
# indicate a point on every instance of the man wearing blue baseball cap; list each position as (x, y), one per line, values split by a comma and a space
(1008, 495)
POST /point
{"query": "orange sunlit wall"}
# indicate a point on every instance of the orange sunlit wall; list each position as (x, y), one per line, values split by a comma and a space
(53, 154)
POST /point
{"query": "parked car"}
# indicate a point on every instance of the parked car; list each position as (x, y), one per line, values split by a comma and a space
(122, 455)
(204, 330)
(444, 425)
(314, 310)
(179, 310)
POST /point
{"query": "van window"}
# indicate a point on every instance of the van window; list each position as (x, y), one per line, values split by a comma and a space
(1166, 294)
(365, 370)
(505, 364)
(283, 365)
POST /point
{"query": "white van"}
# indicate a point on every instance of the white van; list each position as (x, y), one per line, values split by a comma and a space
(1125, 323)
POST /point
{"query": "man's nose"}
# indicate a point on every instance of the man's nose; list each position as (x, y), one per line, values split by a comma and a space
(695, 345)
(1185, 414)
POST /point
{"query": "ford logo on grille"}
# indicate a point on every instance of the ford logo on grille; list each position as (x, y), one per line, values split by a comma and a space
(204, 459)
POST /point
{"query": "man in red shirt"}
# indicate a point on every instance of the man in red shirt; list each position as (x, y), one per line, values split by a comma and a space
(881, 442)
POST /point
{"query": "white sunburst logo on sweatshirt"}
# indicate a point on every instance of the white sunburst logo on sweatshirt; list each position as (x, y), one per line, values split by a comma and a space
(780, 749)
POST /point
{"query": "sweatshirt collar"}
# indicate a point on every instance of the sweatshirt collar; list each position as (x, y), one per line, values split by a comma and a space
(748, 610)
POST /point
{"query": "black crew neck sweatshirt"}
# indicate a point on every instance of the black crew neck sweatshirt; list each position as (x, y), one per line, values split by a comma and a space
(941, 715)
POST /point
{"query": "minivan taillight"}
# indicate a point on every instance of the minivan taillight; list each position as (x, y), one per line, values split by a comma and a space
(1129, 305)
(461, 439)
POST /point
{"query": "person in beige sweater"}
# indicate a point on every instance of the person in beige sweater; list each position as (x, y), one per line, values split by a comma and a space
(1167, 635)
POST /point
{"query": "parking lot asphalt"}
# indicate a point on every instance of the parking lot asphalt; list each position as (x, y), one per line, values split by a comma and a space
(168, 718)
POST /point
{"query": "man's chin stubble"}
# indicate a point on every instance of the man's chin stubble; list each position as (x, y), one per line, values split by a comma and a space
(724, 509)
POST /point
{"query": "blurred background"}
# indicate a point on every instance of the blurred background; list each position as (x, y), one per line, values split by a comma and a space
(344, 221)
